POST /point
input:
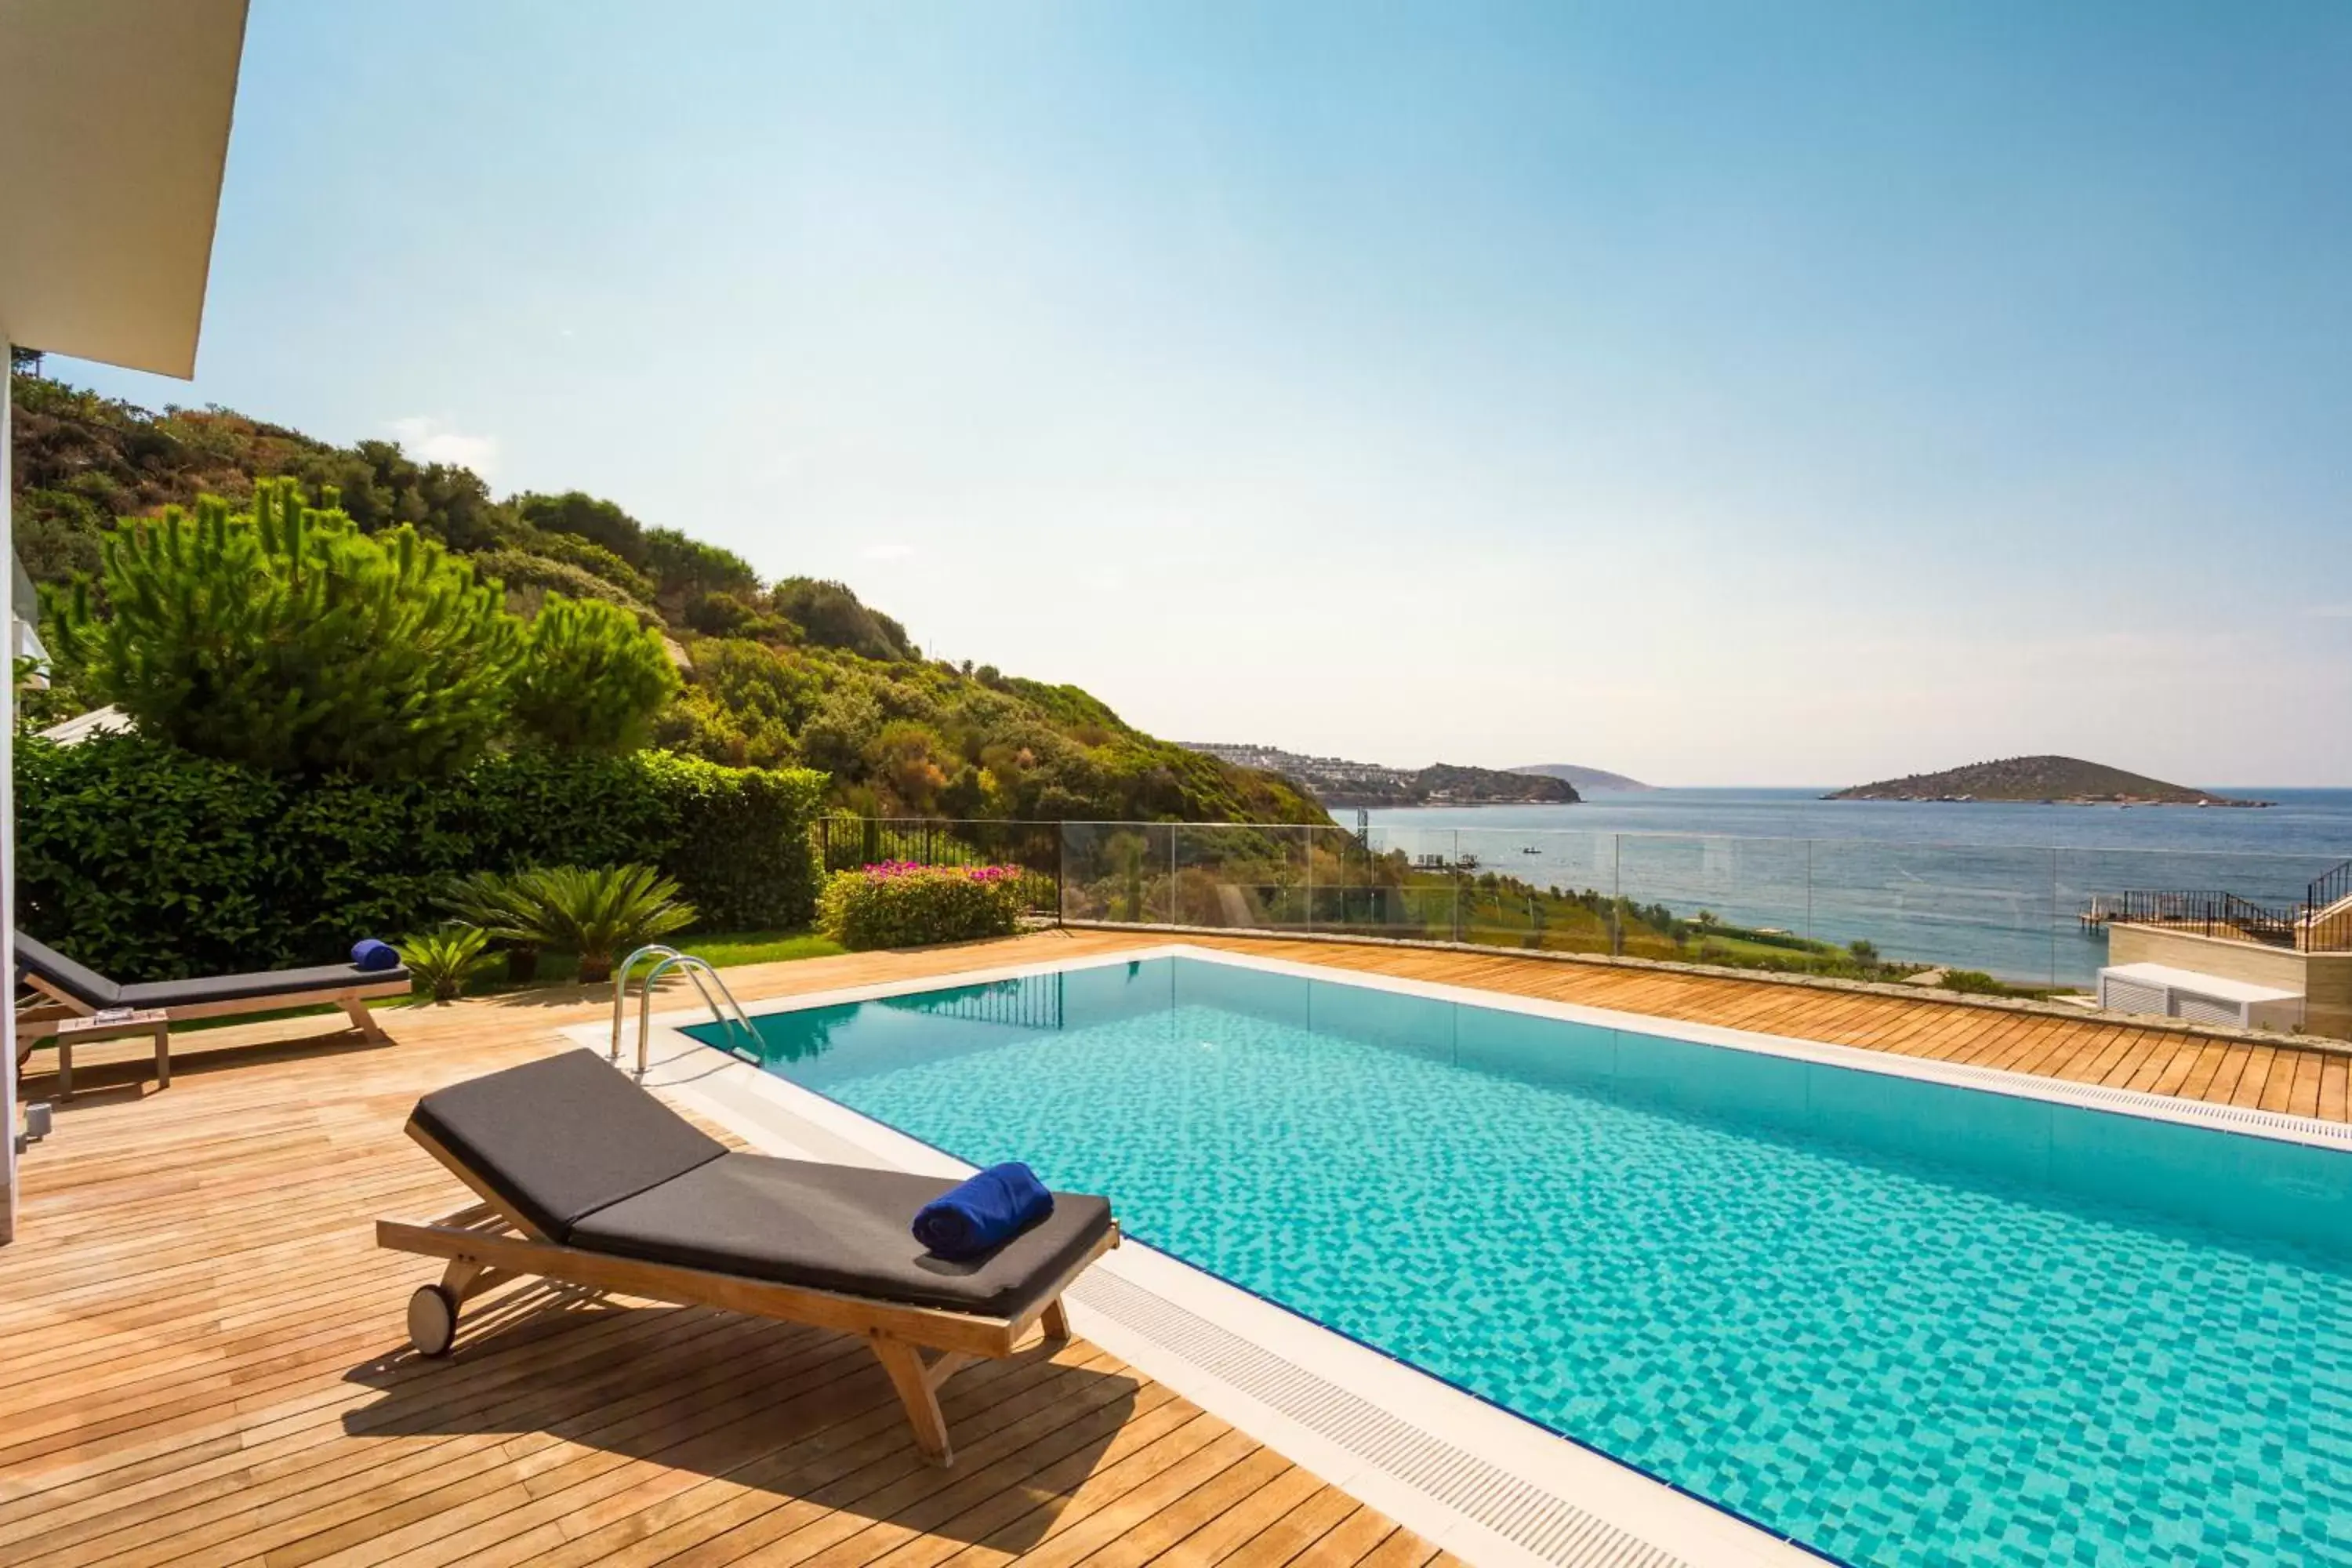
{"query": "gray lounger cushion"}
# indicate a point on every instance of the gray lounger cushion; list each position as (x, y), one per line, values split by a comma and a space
(559, 1138)
(87, 986)
(835, 1227)
(258, 986)
(594, 1162)
(95, 991)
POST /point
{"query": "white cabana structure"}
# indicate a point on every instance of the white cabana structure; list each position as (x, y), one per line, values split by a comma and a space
(114, 122)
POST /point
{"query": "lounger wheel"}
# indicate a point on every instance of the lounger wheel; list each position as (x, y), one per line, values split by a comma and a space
(432, 1320)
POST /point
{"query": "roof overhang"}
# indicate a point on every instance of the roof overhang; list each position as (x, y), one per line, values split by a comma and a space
(114, 119)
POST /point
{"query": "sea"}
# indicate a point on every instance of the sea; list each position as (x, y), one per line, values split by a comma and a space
(1995, 885)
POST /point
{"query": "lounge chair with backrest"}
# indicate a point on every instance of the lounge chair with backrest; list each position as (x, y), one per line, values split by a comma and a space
(74, 991)
(587, 1180)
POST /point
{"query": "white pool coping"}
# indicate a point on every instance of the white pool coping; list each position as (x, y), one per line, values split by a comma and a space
(1468, 1476)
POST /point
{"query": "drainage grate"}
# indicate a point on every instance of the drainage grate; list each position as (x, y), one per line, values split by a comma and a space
(2167, 1108)
(1549, 1526)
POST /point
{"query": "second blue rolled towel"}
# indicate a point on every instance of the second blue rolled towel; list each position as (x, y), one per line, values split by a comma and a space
(983, 1213)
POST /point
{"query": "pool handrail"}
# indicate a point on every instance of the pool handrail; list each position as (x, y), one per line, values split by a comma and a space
(694, 968)
(621, 988)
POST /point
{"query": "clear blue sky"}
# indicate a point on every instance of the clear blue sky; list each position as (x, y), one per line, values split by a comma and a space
(1716, 393)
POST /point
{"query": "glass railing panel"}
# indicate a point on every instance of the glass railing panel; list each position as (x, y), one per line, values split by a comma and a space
(1122, 872)
(1240, 875)
(1539, 889)
(1352, 887)
(1408, 886)
(1899, 911)
(1713, 899)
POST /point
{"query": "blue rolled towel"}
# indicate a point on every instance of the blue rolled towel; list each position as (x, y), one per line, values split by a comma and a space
(369, 953)
(983, 1212)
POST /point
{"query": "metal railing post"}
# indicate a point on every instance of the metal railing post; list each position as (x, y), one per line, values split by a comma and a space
(1309, 831)
(1616, 895)
(1453, 871)
(2054, 917)
(1808, 889)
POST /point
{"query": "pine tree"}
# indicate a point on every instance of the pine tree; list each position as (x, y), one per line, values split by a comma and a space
(283, 638)
(592, 678)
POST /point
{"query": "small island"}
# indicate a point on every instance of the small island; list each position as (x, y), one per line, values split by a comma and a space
(2049, 781)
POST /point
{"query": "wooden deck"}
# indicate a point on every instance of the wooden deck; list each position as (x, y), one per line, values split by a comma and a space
(2302, 1082)
(201, 1362)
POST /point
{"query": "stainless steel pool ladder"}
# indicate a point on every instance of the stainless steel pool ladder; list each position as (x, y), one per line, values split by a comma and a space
(663, 960)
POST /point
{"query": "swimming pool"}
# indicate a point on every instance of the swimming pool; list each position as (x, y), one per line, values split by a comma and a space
(1901, 1321)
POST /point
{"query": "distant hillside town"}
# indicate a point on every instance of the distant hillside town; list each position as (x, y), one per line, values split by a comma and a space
(1337, 782)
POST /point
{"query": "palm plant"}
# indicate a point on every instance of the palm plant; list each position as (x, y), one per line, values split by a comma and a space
(599, 911)
(506, 912)
(442, 958)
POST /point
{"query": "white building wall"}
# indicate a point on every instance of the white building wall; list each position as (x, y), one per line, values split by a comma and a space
(9, 1121)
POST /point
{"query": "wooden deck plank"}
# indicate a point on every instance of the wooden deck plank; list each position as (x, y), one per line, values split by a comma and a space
(2225, 1081)
(2285, 1075)
(2303, 1100)
(1303, 1526)
(2259, 1061)
(2201, 1076)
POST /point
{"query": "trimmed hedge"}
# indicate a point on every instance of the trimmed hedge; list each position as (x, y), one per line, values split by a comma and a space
(149, 863)
(904, 905)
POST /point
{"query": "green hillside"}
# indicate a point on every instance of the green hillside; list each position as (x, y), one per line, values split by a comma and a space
(798, 671)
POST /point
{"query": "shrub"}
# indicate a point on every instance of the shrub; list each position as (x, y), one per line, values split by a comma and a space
(585, 517)
(597, 912)
(529, 578)
(144, 860)
(441, 960)
(1977, 983)
(899, 904)
(683, 567)
(284, 639)
(595, 559)
(592, 678)
(832, 617)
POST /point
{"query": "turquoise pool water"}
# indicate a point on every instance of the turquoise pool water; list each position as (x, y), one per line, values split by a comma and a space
(1900, 1323)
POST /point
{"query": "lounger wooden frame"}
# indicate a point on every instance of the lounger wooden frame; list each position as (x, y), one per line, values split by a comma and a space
(919, 1347)
(39, 1023)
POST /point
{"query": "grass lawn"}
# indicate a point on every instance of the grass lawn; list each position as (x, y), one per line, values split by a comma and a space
(723, 949)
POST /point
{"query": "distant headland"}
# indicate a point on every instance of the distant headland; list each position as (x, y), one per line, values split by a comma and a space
(1583, 778)
(2050, 781)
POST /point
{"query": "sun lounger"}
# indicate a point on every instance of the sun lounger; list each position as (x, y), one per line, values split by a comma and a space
(76, 991)
(590, 1181)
